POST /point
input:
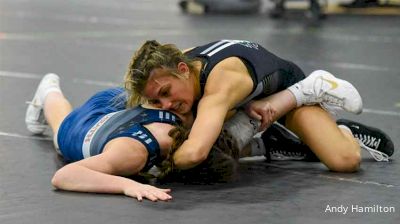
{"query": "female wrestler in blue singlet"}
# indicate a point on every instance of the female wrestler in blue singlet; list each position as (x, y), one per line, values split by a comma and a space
(103, 140)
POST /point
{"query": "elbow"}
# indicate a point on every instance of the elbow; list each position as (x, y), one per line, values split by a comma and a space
(60, 177)
(198, 157)
(56, 180)
(189, 160)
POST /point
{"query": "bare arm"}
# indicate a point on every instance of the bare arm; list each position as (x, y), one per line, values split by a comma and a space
(101, 173)
(227, 85)
(271, 108)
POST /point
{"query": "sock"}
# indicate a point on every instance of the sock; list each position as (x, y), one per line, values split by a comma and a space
(257, 147)
(297, 93)
(55, 143)
(49, 90)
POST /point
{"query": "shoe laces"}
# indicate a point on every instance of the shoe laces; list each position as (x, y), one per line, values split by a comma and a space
(371, 144)
(330, 108)
(324, 95)
(33, 103)
(283, 154)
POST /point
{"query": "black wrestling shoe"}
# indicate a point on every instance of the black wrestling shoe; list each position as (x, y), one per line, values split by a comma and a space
(281, 144)
(375, 141)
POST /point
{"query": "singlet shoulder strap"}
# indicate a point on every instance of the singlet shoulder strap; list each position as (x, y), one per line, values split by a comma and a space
(134, 128)
(162, 116)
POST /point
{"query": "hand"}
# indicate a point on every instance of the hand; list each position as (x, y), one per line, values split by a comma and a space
(152, 193)
(263, 111)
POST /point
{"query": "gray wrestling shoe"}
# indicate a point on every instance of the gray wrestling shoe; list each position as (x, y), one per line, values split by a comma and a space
(236, 133)
(324, 88)
(375, 141)
(34, 117)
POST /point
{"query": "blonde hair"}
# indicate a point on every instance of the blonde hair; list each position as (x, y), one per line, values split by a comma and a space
(151, 55)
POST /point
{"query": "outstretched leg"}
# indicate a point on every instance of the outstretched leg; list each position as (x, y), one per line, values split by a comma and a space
(56, 108)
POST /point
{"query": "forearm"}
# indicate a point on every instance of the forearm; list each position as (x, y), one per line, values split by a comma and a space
(203, 134)
(74, 177)
(211, 113)
(190, 155)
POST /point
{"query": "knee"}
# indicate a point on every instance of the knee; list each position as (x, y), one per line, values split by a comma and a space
(346, 162)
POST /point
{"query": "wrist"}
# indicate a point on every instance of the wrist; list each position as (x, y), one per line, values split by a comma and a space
(128, 185)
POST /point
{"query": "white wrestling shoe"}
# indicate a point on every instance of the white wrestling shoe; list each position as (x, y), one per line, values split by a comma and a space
(324, 88)
(34, 118)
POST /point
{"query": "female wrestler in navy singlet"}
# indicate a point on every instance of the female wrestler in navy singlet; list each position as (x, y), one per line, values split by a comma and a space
(102, 140)
(216, 79)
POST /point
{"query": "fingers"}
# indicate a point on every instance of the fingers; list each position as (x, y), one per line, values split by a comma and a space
(263, 111)
(262, 116)
(154, 194)
(166, 190)
(268, 118)
(157, 195)
(139, 197)
(254, 114)
(264, 125)
(265, 119)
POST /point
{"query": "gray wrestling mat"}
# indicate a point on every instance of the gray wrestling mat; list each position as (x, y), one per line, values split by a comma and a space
(89, 43)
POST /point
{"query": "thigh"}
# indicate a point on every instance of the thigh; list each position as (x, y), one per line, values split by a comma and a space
(75, 126)
(317, 128)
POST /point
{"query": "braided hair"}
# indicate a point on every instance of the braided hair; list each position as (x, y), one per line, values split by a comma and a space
(218, 167)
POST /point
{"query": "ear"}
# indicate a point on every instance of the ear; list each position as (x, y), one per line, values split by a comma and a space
(183, 68)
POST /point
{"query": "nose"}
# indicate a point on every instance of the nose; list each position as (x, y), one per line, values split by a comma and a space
(166, 104)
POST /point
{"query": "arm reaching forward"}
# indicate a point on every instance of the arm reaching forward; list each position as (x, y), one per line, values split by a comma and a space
(101, 173)
(228, 84)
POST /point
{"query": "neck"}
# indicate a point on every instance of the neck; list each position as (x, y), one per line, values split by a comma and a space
(196, 81)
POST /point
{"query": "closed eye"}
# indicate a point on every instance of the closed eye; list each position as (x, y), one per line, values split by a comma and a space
(164, 92)
(154, 102)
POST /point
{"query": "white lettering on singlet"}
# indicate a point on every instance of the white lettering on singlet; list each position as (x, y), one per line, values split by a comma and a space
(89, 135)
(144, 136)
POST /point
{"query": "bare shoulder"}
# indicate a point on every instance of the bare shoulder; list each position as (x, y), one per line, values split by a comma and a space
(230, 75)
(125, 147)
(232, 63)
(232, 68)
(188, 49)
(121, 156)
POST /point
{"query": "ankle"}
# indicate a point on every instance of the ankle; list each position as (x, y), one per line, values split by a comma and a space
(297, 93)
(52, 95)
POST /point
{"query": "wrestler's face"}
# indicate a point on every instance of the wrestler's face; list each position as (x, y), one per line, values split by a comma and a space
(169, 92)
